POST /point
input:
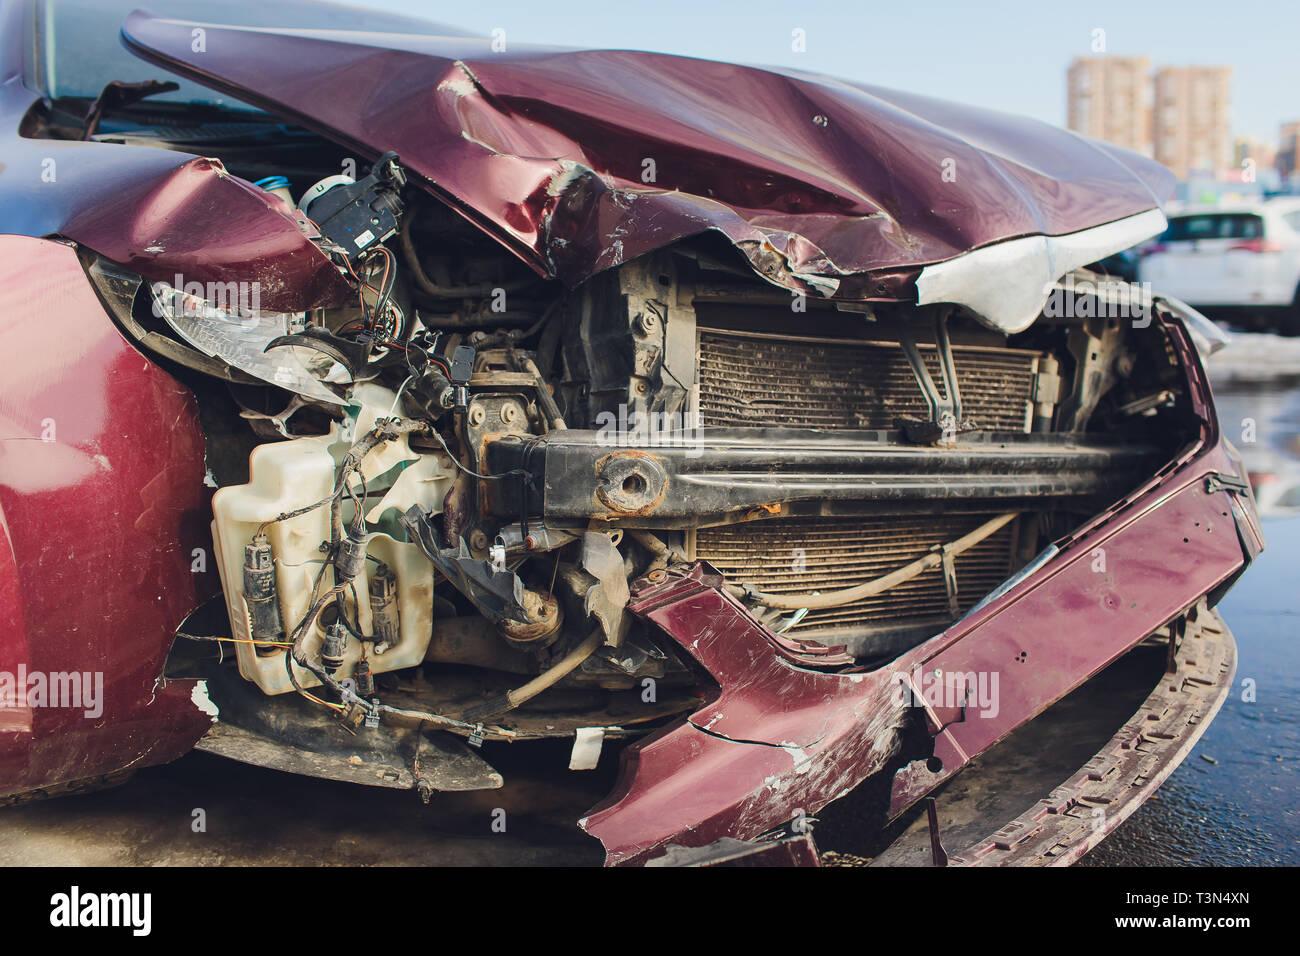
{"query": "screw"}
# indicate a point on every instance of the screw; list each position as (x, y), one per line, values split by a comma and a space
(476, 415)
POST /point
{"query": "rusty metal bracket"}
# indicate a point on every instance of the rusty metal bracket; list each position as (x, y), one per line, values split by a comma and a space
(948, 563)
(944, 410)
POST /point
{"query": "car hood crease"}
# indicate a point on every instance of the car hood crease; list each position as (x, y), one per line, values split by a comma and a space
(580, 160)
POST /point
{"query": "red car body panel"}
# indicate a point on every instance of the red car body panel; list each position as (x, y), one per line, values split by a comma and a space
(823, 184)
(103, 513)
(155, 211)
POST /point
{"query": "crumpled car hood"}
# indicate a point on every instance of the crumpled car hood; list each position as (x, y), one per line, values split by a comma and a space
(160, 213)
(580, 160)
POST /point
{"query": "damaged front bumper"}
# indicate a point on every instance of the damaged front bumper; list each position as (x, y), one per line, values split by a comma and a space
(783, 739)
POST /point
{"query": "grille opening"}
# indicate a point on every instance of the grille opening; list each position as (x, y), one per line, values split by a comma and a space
(758, 379)
(796, 555)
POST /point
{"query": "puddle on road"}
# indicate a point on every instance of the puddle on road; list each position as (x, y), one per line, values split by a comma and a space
(1233, 801)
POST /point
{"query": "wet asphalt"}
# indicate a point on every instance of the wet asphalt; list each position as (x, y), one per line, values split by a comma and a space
(1235, 801)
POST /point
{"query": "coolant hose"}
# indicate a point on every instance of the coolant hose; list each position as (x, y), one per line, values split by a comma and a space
(552, 676)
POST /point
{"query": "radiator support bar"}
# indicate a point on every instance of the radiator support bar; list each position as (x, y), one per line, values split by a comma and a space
(716, 475)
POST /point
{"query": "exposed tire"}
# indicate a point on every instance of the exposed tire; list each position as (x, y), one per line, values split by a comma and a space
(105, 781)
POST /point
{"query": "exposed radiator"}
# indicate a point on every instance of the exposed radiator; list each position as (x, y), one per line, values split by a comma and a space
(827, 554)
(748, 379)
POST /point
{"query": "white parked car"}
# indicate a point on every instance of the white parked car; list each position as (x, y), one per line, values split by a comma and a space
(1237, 262)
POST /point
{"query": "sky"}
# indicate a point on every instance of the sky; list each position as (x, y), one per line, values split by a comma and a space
(1010, 55)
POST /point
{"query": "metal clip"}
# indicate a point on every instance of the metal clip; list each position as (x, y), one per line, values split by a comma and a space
(949, 567)
(1218, 481)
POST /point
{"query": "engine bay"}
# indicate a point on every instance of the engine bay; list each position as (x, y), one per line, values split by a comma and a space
(431, 506)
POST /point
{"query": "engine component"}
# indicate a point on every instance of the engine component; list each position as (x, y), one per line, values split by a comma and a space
(333, 647)
(498, 593)
(544, 397)
(383, 609)
(539, 538)
(365, 680)
(431, 394)
(260, 594)
(462, 367)
(356, 216)
(543, 626)
(351, 559)
(439, 388)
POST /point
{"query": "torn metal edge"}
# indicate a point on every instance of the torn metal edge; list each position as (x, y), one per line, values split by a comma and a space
(1007, 284)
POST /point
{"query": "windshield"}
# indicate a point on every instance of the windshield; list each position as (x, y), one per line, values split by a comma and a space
(78, 49)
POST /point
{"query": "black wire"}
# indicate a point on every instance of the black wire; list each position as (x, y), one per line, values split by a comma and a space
(532, 479)
(423, 354)
(663, 347)
(342, 608)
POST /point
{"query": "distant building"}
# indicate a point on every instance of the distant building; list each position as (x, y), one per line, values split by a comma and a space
(1247, 147)
(1190, 126)
(1109, 98)
(1179, 115)
(1288, 136)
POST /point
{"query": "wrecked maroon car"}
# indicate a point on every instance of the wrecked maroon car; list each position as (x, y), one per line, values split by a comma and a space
(371, 392)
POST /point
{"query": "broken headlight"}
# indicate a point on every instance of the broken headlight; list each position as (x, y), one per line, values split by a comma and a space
(230, 327)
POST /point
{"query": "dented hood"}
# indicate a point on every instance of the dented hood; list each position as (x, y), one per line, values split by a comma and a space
(579, 160)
